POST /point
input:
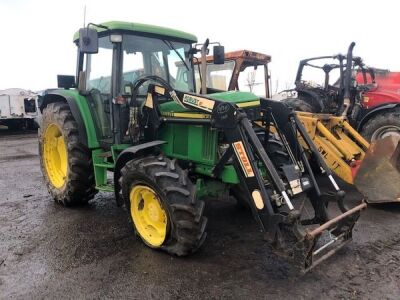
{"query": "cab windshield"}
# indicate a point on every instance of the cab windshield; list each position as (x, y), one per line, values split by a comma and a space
(136, 56)
(141, 56)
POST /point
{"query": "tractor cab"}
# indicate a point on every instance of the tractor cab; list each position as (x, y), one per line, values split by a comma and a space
(113, 55)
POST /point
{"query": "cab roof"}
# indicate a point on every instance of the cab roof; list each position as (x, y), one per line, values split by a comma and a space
(246, 55)
(144, 28)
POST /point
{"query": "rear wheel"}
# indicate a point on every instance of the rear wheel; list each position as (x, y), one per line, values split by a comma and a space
(382, 125)
(66, 164)
(161, 201)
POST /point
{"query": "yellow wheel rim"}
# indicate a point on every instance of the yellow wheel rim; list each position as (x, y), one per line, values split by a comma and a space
(55, 156)
(148, 215)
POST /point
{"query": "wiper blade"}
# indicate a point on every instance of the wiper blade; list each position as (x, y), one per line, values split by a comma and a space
(169, 44)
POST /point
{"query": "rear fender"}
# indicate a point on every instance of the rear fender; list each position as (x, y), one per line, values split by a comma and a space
(80, 111)
(375, 111)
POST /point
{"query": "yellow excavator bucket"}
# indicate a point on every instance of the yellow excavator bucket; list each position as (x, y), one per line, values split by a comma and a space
(373, 169)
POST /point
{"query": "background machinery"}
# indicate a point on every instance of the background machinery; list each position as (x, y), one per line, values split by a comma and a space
(368, 97)
(18, 109)
(345, 151)
(134, 126)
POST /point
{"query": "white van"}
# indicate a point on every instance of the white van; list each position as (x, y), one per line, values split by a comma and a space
(18, 109)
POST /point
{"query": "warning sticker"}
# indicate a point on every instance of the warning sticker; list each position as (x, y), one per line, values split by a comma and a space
(159, 90)
(149, 101)
(243, 159)
(199, 102)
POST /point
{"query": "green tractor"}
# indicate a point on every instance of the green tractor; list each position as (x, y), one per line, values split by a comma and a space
(130, 123)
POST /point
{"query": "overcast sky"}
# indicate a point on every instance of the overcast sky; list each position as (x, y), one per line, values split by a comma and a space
(36, 36)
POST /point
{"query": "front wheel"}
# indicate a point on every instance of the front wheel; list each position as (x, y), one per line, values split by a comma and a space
(382, 125)
(163, 208)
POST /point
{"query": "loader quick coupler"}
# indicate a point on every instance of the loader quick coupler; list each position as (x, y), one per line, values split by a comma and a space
(277, 193)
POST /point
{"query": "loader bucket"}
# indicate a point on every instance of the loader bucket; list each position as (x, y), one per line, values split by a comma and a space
(378, 177)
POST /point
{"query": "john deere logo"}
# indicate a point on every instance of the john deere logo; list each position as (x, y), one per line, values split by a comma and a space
(223, 108)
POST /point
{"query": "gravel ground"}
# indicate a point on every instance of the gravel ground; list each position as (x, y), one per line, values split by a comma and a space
(47, 251)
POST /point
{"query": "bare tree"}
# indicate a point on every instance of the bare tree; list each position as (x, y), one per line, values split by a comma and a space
(251, 79)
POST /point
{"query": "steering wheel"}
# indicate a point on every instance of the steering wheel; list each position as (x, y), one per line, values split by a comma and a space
(142, 80)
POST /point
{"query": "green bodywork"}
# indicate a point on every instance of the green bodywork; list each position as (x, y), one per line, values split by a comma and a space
(103, 163)
(144, 28)
(198, 144)
(195, 143)
(234, 97)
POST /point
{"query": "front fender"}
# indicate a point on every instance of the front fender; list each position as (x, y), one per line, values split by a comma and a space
(127, 155)
(79, 109)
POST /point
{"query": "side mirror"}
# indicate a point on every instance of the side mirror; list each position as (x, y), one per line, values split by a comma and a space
(88, 40)
(219, 55)
(66, 81)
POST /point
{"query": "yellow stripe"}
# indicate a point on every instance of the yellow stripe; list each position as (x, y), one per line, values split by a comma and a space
(186, 115)
(247, 104)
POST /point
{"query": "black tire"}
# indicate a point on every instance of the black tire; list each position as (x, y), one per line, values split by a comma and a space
(79, 186)
(381, 125)
(277, 151)
(186, 224)
(299, 104)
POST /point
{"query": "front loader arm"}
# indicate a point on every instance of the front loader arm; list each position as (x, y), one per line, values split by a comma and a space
(248, 153)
